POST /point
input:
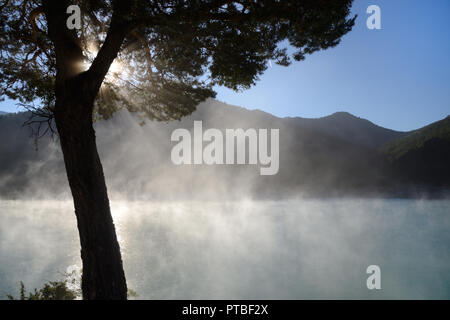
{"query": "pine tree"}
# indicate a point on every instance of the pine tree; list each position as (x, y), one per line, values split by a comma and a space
(156, 58)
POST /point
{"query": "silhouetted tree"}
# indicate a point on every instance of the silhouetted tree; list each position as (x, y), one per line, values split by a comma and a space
(167, 57)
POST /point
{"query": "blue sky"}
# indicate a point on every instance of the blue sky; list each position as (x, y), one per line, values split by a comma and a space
(397, 77)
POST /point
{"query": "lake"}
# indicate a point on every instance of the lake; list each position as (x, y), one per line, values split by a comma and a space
(298, 249)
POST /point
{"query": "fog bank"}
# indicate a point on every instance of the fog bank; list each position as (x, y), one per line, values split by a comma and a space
(314, 249)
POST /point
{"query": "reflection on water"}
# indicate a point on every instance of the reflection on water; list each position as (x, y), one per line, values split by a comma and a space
(244, 250)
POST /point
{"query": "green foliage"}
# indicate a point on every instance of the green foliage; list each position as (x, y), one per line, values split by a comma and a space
(52, 290)
(416, 139)
(57, 290)
(175, 52)
(27, 70)
(132, 294)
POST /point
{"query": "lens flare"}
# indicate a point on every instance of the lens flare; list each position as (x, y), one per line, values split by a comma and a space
(115, 70)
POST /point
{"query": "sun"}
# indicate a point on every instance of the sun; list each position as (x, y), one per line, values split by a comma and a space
(115, 70)
(116, 67)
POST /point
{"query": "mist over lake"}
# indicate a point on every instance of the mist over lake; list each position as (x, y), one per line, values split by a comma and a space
(296, 249)
(334, 156)
(225, 232)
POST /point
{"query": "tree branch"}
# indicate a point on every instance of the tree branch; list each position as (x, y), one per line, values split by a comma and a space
(120, 27)
(34, 14)
(4, 5)
(147, 53)
(68, 50)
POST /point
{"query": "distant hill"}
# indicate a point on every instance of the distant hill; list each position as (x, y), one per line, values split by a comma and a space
(351, 128)
(337, 155)
(2, 113)
(418, 138)
(422, 156)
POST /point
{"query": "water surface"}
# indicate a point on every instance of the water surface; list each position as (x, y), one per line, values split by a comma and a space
(300, 249)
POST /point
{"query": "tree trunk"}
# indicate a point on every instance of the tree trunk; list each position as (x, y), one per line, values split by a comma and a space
(103, 276)
(75, 92)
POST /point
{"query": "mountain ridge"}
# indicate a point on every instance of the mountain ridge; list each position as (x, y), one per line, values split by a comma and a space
(323, 157)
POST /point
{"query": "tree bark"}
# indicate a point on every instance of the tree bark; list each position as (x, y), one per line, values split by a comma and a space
(103, 276)
(75, 90)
